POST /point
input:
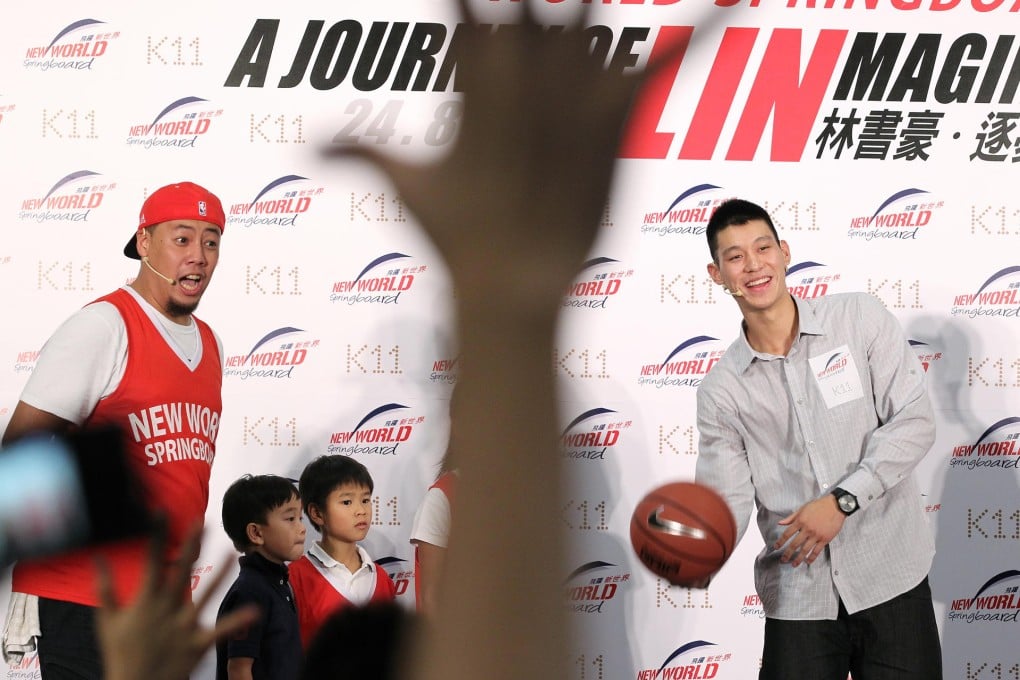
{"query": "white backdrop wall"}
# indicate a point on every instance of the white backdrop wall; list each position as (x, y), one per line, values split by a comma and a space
(881, 134)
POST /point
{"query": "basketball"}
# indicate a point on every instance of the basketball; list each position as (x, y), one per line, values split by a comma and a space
(683, 532)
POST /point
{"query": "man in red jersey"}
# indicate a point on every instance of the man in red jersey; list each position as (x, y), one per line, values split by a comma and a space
(136, 359)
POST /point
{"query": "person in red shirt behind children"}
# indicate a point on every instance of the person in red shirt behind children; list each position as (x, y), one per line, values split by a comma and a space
(430, 535)
(335, 572)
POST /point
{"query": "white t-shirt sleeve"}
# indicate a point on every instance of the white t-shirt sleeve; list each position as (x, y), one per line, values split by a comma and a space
(432, 520)
(81, 362)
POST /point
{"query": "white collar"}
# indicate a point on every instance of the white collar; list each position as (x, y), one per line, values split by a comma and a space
(183, 339)
(326, 560)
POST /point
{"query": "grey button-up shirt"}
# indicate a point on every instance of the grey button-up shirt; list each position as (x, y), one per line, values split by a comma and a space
(846, 407)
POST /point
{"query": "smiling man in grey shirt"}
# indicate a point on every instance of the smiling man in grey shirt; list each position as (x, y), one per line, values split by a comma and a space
(816, 415)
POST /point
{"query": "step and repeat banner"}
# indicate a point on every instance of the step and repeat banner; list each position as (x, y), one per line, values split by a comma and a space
(881, 134)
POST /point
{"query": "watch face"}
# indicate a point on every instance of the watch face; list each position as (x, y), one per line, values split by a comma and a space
(847, 503)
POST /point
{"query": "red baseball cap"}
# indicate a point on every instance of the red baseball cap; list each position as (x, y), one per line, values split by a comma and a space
(180, 201)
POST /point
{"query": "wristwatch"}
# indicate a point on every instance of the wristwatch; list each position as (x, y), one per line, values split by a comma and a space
(847, 501)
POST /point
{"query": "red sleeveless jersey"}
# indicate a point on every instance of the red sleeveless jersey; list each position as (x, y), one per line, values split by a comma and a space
(317, 599)
(170, 415)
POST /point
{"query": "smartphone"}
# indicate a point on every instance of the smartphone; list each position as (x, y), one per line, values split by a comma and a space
(58, 493)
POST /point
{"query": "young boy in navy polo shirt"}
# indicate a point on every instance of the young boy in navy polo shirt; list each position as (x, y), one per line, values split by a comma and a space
(262, 516)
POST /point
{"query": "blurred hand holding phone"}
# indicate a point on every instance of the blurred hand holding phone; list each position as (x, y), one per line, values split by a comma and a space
(58, 493)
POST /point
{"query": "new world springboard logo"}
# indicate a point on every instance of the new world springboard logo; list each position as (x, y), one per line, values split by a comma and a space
(996, 448)
(807, 280)
(26, 361)
(381, 282)
(380, 432)
(274, 357)
(900, 217)
(751, 607)
(589, 588)
(698, 660)
(592, 433)
(997, 600)
(685, 365)
(398, 571)
(998, 296)
(280, 203)
(5, 109)
(835, 364)
(686, 215)
(74, 48)
(445, 370)
(71, 199)
(926, 353)
(600, 279)
(179, 125)
(27, 668)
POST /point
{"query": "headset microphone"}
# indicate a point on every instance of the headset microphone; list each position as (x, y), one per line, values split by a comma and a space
(734, 293)
(145, 261)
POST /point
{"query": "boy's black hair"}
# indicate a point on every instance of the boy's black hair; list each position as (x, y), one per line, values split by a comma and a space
(326, 473)
(251, 499)
(734, 212)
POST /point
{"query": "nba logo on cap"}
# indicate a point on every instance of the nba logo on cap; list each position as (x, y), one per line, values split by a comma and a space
(181, 201)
